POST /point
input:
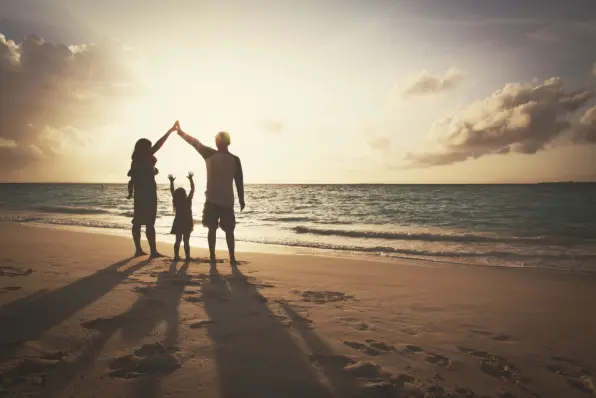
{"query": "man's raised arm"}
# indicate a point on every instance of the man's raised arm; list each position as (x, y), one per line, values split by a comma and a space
(204, 150)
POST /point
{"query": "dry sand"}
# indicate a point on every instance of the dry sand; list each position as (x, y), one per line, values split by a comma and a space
(80, 318)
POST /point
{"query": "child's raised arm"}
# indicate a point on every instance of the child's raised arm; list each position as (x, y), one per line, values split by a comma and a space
(192, 185)
(172, 178)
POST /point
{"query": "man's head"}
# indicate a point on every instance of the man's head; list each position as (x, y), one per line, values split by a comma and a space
(222, 140)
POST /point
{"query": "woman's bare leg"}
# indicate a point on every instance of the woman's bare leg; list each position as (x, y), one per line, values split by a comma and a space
(150, 232)
(136, 237)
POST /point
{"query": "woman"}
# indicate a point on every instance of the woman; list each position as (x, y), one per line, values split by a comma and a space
(142, 177)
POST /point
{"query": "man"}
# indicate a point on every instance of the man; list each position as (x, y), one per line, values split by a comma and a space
(222, 169)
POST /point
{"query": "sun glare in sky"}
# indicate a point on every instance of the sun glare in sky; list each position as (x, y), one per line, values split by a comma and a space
(310, 91)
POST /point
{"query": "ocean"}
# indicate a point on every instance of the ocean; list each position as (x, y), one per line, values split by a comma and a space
(549, 226)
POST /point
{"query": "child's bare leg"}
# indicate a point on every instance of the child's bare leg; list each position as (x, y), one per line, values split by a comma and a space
(187, 246)
(177, 247)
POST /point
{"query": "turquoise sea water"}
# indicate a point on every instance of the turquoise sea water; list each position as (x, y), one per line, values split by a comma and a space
(543, 225)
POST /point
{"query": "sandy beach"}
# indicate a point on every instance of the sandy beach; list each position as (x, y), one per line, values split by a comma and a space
(80, 318)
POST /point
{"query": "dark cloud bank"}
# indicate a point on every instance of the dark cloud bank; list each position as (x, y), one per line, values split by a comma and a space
(51, 94)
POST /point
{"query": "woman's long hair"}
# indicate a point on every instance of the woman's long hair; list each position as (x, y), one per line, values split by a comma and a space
(180, 198)
(142, 148)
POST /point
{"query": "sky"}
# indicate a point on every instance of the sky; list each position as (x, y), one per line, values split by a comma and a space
(325, 91)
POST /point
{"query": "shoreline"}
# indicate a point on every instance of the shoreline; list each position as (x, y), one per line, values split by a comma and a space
(243, 246)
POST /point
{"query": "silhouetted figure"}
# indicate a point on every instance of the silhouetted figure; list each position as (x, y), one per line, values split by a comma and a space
(142, 176)
(183, 222)
(223, 169)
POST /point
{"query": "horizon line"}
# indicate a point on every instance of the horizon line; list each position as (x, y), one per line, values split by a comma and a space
(326, 183)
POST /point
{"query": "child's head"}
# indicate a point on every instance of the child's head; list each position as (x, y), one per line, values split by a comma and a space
(179, 198)
(142, 149)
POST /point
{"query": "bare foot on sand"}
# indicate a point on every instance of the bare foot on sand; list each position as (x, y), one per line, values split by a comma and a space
(140, 253)
(156, 255)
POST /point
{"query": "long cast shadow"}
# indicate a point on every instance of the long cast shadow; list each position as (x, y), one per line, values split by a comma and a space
(134, 324)
(30, 317)
(255, 357)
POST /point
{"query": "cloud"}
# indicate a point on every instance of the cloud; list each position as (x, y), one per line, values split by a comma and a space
(585, 131)
(426, 83)
(10, 144)
(519, 118)
(563, 31)
(272, 126)
(50, 93)
(381, 144)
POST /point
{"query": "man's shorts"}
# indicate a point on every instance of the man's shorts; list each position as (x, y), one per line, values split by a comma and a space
(215, 216)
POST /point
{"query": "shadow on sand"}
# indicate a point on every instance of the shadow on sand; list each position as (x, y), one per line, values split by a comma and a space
(31, 316)
(255, 357)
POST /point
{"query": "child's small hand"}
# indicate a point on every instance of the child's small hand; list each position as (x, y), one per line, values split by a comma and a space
(171, 177)
(129, 196)
(190, 175)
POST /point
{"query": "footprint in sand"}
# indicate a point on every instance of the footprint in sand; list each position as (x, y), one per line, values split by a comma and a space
(142, 289)
(413, 348)
(439, 360)
(379, 383)
(355, 323)
(10, 288)
(103, 324)
(15, 271)
(578, 377)
(201, 324)
(34, 371)
(193, 299)
(493, 336)
(371, 347)
(150, 359)
(495, 365)
(323, 297)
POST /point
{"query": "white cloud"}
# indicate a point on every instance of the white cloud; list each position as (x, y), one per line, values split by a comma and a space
(425, 83)
(585, 131)
(272, 126)
(519, 118)
(10, 144)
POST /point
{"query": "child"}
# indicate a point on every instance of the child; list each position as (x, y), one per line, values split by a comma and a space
(139, 162)
(183, 222)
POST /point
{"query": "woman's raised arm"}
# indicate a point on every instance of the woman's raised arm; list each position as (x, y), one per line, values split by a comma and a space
(163, 139)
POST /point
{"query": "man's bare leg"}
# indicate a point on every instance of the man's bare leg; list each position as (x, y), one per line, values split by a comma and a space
(231, 240)
(211, 236)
